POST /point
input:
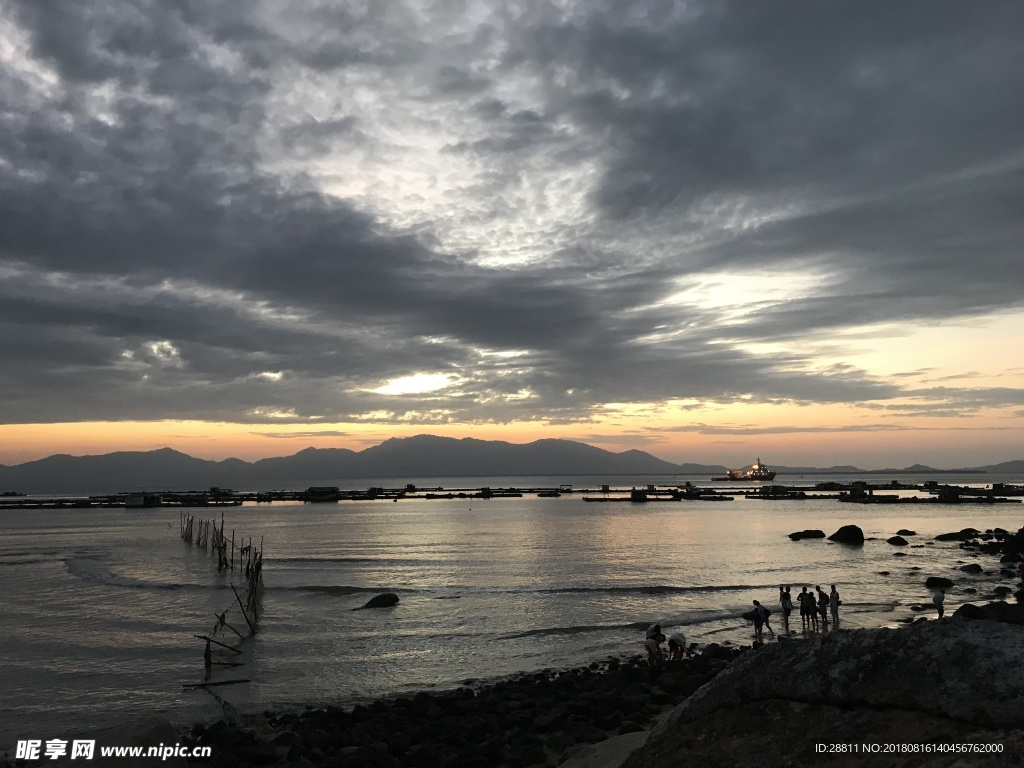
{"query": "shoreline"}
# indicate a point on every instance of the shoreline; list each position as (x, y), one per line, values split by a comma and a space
(532, 719)
(544, 718)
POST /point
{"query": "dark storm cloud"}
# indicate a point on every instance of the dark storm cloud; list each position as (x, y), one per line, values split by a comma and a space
(155, 264)
(893, 124)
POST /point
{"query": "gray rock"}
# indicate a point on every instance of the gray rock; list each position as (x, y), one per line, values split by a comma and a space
(608, 753)
(906, 532)
(937, 682)
(963, 535)
(998, 611)
(807, 534)
(385, 600)
(897, 541)
(937, 582)
(971, 568)
(848, 534)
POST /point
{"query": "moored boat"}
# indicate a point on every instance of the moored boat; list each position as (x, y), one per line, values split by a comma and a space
(756, 471)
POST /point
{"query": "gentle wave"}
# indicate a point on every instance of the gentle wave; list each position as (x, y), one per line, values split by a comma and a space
(371, 560)
(693, 618)
(336, 590)
(657, 589)
(635, 625)
(97, 573)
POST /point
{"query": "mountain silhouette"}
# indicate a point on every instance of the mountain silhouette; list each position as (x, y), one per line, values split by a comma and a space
(409, 457)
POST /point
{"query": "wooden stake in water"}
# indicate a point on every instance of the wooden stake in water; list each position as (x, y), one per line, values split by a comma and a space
(244, 615)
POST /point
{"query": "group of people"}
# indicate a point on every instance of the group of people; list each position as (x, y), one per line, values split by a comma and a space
(676, 645)
(814, 606)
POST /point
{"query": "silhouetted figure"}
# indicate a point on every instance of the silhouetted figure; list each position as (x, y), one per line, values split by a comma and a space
(761, 615)
(939, 598)
(786, 601)
(653, 643)
(676, 646)
(833, 603)
(822, 607)
(807, 609)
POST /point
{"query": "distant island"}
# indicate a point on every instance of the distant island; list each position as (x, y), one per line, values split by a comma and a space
(409, 457)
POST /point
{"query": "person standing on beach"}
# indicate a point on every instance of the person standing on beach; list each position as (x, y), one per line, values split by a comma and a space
(760, 617)
(822, 607)
(939, 598)
(833, 603)
(806, 600)
(787, 607)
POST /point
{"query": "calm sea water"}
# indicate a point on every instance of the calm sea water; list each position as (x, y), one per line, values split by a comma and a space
(99, 608)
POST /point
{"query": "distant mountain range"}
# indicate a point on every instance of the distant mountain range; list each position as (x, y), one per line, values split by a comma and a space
(411, 457)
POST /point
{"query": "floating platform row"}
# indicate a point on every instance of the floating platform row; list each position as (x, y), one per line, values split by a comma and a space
(856, 492)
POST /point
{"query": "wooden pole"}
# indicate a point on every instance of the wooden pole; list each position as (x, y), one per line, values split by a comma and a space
(223, 623)
(244, 615)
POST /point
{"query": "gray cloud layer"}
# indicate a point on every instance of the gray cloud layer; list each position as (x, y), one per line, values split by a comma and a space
(168, 249)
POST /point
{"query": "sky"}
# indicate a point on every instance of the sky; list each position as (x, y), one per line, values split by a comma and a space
(714, 231)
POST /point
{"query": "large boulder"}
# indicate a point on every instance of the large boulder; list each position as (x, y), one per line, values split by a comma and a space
(385, 600)
(948, 682)
(963, 535)
(938, 582)
(848, 534)
(1007, 613)
(897, 541)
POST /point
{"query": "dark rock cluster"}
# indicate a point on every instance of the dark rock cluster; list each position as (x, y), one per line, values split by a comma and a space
(530, 720)
(1008, 547)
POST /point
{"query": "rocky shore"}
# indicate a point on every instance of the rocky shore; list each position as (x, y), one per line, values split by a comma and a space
(531, 720)
(937, 693)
